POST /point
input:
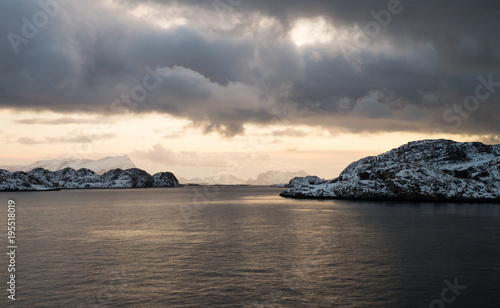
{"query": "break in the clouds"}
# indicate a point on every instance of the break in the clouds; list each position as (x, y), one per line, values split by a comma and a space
(356, 66)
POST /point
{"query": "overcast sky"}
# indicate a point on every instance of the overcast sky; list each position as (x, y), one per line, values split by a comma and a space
(189, 86)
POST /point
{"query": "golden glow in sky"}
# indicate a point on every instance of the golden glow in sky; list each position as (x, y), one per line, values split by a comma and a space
(161, 142)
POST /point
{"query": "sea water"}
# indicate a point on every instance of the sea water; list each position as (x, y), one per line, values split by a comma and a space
(248, 247)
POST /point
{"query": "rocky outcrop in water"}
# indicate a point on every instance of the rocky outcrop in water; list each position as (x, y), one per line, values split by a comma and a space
(427, 170)
(41, 179)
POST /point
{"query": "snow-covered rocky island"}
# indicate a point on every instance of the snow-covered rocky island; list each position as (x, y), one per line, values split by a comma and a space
(424, 171)
(42, 179)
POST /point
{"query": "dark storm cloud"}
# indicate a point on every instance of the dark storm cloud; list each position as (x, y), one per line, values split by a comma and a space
(415, 73)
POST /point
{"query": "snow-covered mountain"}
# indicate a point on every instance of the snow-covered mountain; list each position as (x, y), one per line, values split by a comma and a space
(266, 178)
(42, 179)
(427, 170)
(99, 166)
(184, 180)
(275, 177)
(222, 178)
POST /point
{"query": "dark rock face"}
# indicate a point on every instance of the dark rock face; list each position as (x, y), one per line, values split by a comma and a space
(428, 170)
(165, 179)
(41, 179)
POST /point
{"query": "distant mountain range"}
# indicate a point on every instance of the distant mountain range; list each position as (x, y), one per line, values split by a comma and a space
(222, 178)
(266, 178)
(99, 166)
(103, 165)
(276, 177)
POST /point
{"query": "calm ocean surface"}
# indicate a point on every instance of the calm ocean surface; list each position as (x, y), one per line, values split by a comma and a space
(248, 247)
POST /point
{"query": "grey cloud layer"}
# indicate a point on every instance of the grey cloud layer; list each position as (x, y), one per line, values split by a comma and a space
(407, 78)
